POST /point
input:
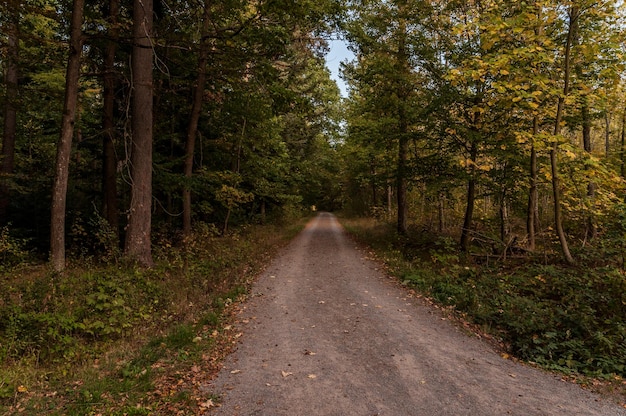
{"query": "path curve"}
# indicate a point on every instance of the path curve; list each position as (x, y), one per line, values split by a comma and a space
(326, 333)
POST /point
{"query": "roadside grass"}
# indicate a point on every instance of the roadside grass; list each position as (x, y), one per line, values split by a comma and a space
(571, 320)
(117, 340)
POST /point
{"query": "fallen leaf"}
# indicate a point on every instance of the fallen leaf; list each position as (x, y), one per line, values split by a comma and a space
(286, 374)
(22, 389)
(235, 372)
(207, 404)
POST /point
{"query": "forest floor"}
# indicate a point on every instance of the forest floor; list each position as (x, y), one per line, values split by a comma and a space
(325, 331)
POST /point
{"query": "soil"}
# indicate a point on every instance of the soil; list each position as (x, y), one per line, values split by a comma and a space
(326, 332)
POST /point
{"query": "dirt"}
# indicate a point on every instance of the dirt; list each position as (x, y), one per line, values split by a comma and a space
(326, 332)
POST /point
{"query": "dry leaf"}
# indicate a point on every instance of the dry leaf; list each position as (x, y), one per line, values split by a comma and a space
(312, 376)
(235, 372)
(207, 404)
(286, 374)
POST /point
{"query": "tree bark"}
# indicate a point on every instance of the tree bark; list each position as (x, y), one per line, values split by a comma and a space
(138, 236)
(402, 185)
(590, 229)
(622, 150)
(441, 212)
(607, 134)
(533, 195)
(64, 146)
(558, 216)
(403, 128)
(109, 159)
(196, 109)
(7, 162)
(471, 198)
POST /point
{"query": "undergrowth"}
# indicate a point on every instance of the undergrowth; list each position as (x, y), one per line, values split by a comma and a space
(106, 337)
(570, 319)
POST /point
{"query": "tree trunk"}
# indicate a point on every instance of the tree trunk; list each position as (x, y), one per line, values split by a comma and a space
(471, 198)
(558, 217)
(402, 186)
(533, 195)
(622, 150)
(138, 240)
(590, 229)
(196, 109)
(373, 183)
(441, 213)
(389, 199)
(64, 146)
(607, 134)
(403, 128)
(7, 161)
(109, 159)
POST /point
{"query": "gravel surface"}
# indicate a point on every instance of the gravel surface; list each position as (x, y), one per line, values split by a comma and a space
(325, 332)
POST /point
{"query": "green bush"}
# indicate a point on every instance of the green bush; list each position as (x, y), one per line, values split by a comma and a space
(12, 250)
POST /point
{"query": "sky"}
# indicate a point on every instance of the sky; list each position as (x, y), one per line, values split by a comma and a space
(338, 53)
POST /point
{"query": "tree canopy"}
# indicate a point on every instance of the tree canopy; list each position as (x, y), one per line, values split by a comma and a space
(494, 120)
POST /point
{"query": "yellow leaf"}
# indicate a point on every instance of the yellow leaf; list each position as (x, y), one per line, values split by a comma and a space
(504, 72)
(22, 389)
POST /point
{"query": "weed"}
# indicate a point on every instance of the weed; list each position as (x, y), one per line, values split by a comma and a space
(101, 337)
(562, 318)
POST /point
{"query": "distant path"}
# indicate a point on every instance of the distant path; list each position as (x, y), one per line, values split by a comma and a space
(327, 334)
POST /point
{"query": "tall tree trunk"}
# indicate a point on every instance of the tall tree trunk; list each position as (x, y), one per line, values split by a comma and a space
(441, 212)
(532, 218)
(389, 199)
(403, 128)
(196, 109)
(64, 146)
(533, 195)
(622, 150)
(558, 217)
(138, 240)
(471, 199)
(401, 190)
(109, 159)
(607, 134)
(7, 161)
(373, 183)
(590, 229)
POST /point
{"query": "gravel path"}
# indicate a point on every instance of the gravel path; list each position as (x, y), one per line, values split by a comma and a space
(327, 333)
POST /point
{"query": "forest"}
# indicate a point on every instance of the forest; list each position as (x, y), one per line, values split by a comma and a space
(156, 152)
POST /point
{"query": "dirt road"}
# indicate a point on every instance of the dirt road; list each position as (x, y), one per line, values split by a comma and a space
(326, 333)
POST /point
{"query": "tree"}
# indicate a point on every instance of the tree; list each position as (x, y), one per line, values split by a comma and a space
(138, 234)
(196, 108)
(109, 159)
(64, 147)
(7, 161)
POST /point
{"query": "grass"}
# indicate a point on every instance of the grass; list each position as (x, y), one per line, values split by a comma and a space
(572, 320)
(117, 340)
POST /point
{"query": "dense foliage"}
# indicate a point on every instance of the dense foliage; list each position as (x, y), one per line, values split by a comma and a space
(266, 117)
(492, 132)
